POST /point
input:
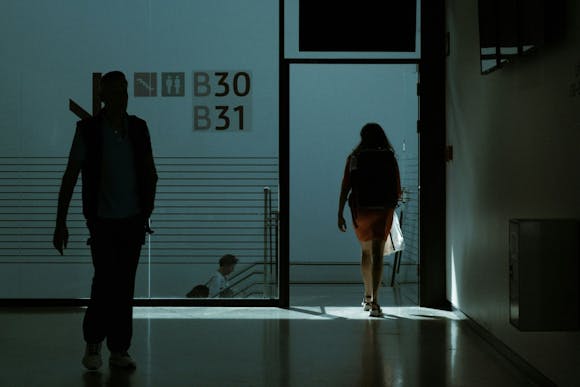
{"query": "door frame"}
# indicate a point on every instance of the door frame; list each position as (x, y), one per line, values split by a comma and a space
(284, 151)
(432, 138)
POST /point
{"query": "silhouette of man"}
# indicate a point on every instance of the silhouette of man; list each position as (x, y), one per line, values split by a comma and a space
(113, 152)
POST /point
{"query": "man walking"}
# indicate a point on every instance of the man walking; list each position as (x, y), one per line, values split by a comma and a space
(113, 152)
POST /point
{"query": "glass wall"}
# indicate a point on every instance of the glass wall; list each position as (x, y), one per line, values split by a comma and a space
(204, 75)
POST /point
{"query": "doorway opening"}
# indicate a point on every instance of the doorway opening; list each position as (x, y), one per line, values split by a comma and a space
(328, 105)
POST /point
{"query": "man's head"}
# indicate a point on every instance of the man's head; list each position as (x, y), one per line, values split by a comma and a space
(113, 92)
(228, 263)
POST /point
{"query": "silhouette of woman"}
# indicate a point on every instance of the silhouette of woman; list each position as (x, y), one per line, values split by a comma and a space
(372, 224)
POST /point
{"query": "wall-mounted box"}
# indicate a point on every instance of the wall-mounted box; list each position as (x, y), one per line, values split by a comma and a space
(544, 274)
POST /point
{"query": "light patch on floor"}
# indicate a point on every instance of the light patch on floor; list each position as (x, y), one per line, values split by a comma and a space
(293, 313)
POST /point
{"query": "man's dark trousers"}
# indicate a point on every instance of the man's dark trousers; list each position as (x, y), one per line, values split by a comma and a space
(115, 248)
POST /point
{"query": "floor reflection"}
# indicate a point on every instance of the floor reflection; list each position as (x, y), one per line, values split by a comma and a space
(375, 370)
(303, 346)
(115, 377)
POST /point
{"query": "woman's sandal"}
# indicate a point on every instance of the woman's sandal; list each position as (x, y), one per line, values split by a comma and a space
(366, 303)
(376, 310)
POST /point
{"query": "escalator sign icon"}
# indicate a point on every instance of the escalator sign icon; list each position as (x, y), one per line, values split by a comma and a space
(145, 84)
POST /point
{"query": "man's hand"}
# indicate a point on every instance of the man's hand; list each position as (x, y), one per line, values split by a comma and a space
(67, 186)
(60, 238)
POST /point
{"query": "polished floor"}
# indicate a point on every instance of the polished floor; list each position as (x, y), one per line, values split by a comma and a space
(314, 343)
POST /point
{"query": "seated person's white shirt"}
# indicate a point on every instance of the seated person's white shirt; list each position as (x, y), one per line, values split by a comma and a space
(217, 283)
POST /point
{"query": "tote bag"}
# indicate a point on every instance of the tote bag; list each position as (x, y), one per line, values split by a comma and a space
(395, 241)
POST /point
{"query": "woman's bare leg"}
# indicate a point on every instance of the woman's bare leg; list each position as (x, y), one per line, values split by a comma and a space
(377, 249)
(377, 267)
(366, 268)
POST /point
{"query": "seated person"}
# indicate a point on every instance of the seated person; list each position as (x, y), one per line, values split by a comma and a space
(218, 284)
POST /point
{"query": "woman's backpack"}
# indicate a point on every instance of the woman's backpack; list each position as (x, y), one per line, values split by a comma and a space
(374, 179)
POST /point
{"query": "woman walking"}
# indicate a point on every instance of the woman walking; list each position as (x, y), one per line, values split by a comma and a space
(371, 184)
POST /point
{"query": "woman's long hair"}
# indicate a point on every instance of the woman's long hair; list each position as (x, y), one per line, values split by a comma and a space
(372, 136)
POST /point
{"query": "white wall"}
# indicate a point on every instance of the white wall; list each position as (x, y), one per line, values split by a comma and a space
(515, 135)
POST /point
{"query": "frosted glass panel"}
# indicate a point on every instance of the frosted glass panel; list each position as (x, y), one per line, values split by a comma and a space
(203, 74)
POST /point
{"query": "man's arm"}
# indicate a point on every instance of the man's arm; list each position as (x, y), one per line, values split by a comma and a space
(151, 176)
(69, 180)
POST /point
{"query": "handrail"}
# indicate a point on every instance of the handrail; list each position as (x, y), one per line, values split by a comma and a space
(244, 290)
(271, 220)
(241, 272)
(267, 208)
(408, 222)
(270, 251)
(274, 247)
(248, 275)
(241, 281)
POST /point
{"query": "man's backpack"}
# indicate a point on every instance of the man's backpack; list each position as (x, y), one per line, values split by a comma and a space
(374, 179)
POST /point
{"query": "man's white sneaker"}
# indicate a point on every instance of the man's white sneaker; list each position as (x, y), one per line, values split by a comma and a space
(92, 359)
(122, 360)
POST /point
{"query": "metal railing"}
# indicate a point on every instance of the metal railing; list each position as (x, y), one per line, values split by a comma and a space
(271, 220)
(408, 212)
(261, 278)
